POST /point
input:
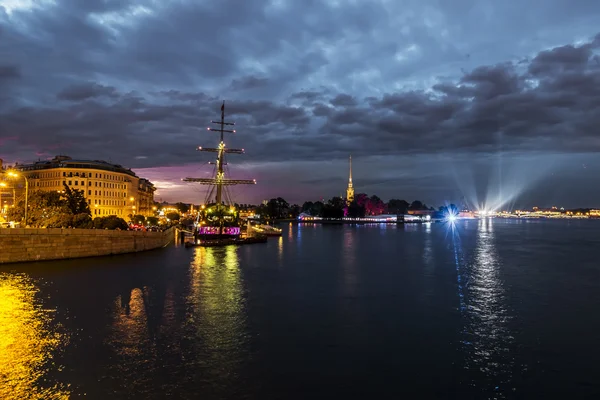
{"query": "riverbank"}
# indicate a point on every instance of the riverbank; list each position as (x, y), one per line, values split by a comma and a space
(23, 245)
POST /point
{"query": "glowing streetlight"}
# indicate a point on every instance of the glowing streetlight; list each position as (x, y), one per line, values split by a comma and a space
(15, 175)
(132, 199)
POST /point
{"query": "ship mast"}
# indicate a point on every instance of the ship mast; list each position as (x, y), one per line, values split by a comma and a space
(219, 180)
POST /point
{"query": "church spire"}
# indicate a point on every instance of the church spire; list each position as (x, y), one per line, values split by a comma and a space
(350, 180)
(350, 190)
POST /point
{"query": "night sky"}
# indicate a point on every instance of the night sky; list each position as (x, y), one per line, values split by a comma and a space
(494, 101)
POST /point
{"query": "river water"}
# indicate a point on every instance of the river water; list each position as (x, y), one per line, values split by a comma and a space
(482, 309)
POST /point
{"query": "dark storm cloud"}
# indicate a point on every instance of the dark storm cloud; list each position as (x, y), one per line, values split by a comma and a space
(487, 107)
(85, 91)
(343, 100)
(139, 82)
(248, 82)
(9, 72)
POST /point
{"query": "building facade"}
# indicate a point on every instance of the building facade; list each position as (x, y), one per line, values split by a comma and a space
(146, 197)
(110, 189)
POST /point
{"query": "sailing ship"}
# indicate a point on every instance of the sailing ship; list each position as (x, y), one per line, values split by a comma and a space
(218, 219)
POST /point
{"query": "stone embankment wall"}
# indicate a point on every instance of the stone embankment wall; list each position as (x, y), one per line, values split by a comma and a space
(21, 245)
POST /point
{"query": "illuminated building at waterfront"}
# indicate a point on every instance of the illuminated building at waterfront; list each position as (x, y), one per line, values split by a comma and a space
(110, 189)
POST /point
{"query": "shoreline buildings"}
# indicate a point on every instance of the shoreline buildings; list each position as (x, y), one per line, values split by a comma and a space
(110, 189)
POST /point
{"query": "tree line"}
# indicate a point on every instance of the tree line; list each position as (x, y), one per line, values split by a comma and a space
(66, 209)
(336, 207)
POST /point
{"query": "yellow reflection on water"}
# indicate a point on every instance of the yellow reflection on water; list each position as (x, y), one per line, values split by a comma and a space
(280, 248)
(130, 325)
(217, 300)
(27, 342)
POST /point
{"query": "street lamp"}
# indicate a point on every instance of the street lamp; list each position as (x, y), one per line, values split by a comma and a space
(3, 185)
(132, 199)
(15, 175)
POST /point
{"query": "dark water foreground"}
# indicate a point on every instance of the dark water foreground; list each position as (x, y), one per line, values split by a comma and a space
(496, 309)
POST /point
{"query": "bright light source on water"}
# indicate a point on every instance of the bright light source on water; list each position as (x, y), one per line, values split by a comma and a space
(451, 217)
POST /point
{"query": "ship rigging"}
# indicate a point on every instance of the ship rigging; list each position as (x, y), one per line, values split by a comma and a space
(219, 219)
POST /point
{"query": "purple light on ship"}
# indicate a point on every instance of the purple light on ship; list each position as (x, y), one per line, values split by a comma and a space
(213, 230)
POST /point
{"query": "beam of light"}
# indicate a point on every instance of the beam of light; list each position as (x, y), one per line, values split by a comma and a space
(496, 183)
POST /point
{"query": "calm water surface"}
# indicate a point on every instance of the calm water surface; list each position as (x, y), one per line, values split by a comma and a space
(487, 309)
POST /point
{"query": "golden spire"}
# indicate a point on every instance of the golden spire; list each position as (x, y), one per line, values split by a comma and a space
(350, 180)
(350, 190)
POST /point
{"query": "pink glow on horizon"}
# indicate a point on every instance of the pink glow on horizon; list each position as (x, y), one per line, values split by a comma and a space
(271, 182)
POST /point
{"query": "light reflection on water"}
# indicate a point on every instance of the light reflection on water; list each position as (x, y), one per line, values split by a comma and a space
(354, 308)
(216, 319)
(428, 254)
(28, 342)
(349, 265)
(280, 248)
(206, 340)
(487, 338)
(130, 340)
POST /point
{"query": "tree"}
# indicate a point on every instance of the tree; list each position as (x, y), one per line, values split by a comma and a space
(82, 221)
(44, 209)
(307, 207)
(278, 208)
(317, 209)
(75, 201)
(334, 208)
(361, 199)
(138, 219)
(182, 207)
(261, 210)
(283, 208)
(55, 210)
(294, 210)
(314, 209)
(417, 205)
(110, 222)
(173, 216)
(355, 210)
(396, 206)
(374, 206)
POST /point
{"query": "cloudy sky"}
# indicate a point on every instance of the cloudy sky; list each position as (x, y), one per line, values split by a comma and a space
(496, 102)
